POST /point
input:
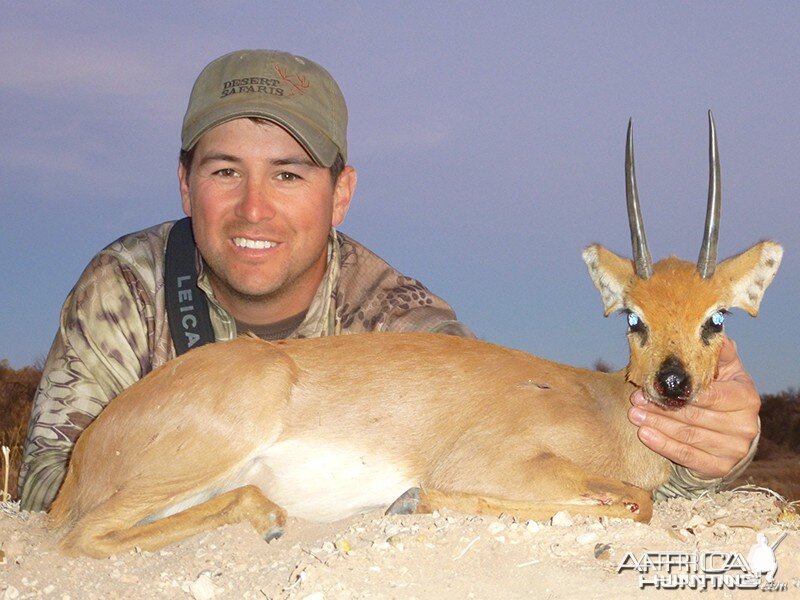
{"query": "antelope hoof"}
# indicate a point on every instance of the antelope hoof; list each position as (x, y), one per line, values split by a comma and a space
(406, 504)
(273, 533)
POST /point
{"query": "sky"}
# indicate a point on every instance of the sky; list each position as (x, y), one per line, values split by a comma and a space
(488, 137)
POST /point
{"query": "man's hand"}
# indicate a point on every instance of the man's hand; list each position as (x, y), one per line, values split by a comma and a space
(714, 433)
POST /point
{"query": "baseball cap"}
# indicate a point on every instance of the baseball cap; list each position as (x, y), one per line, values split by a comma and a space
(291, 91)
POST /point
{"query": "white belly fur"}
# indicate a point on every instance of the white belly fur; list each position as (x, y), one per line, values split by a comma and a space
(324, 481)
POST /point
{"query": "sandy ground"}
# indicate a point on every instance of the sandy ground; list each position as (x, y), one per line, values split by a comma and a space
(419, 556)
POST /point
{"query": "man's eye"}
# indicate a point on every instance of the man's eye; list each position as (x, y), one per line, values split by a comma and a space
(286, 176)
(225, 173)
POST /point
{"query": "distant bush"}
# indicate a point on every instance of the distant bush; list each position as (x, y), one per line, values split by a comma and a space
(780, 418)
(602, 366)
(777, 462)
(17, 388)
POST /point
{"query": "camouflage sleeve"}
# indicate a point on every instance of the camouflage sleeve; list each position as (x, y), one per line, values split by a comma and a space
(99, 350)
(410, 306)
(687, 484)
(430, 320)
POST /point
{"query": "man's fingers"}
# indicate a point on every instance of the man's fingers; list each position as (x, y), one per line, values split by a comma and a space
(692, 415)
(690, 457)
(723, 445)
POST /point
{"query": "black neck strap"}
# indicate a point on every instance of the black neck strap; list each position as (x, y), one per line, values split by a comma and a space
(187, 307)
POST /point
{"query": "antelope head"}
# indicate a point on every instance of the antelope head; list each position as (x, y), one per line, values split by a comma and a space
(675, 309)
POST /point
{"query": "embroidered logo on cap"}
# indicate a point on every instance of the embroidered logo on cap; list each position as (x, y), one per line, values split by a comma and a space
(297, 84)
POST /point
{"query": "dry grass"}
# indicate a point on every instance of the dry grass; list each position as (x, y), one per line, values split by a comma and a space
(777, 463)
(17, 388)
(775, 467)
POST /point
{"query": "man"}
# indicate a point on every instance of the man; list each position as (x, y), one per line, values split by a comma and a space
(263, 177)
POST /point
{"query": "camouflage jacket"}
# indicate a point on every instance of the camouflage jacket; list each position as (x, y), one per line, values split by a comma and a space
(114, 330)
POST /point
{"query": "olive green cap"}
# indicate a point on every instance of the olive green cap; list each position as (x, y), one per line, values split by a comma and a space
(291, 91)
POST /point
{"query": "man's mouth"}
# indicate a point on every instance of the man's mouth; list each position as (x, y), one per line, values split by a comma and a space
(242, 242)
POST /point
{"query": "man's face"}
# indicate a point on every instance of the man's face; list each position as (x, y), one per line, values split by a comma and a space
(261, 213)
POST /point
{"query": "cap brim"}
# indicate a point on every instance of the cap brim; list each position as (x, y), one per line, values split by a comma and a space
(321, 149)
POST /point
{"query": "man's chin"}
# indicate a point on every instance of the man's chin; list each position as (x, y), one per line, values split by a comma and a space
(246, 289)
(251, 294)
(280, 283)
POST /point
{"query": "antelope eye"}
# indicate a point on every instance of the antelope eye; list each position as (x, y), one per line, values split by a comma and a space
(637, 326)
(712, 326)
(715, 321)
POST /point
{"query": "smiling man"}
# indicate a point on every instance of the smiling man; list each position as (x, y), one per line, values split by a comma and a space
(263, 177)
(264, 183)
(262, 211)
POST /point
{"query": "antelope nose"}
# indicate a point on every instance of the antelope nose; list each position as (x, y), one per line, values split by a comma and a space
(672, 380)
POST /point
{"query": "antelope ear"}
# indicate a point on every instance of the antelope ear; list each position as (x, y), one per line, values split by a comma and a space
(611, 275)
(748, 274)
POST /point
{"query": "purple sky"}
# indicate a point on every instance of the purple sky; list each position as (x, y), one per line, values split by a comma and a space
(489, 140)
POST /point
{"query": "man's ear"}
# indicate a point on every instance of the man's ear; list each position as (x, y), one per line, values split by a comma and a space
(748, 274)
(183, 183)
(343, 191)
(611, 275)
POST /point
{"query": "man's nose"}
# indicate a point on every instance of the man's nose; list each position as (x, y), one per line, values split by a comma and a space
(257, 203)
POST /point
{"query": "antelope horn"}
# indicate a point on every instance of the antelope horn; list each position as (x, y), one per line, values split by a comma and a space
(708, 251)
(641, 255)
